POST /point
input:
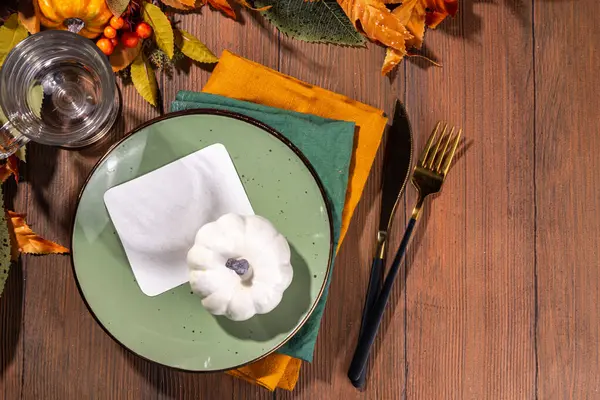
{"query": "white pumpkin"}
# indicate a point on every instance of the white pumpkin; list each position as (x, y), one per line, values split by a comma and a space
(240, 266)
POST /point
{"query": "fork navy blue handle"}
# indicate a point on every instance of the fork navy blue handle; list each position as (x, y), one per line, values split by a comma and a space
(365, 341)
(372, 292)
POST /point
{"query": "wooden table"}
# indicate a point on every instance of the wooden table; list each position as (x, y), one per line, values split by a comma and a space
(499, 297)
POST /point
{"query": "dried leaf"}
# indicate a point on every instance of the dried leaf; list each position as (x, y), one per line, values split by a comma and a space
(188, 3)
(392, 58)
(438, 10)
(223, 6)
(11, 33)
(29, 15)
(5, 246)
(318, 22)
(117, 7)
(244, 3)
(123, 56)
(412, 15)
(179, 5)
(144, 80)
(163, 32)
(29, 242)
(10, 167)
(377, 22)
(194, 49)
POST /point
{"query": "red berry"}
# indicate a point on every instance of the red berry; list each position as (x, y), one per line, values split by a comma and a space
(130, 39)
(143, 30)
(117, 22)
(105, 46)
(110, 32)
(114, 41)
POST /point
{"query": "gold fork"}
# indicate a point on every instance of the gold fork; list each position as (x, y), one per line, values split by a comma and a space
(428, 177)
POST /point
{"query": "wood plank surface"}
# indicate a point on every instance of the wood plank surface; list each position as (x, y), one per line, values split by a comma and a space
(567, 142)
(499, 295)
(470, 281)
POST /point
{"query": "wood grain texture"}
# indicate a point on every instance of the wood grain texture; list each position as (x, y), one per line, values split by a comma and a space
(567, 161)
(499, 294)
(470, 281)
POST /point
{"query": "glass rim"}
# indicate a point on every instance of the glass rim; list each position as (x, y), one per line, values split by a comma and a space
(16, 106)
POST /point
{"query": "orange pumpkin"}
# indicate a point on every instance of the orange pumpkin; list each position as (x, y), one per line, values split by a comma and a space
(56, 14)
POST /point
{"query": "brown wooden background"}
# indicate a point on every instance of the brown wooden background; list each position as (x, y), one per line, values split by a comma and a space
(500, 296)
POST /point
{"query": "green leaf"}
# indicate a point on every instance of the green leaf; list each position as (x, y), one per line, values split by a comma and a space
(11, 33)
(5, 254)
(117, 7)
(317, 21)
(144, 80)
(194, 49)
(163, 31)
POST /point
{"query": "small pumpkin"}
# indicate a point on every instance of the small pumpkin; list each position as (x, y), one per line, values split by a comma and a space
(240, 266)
(60, 14)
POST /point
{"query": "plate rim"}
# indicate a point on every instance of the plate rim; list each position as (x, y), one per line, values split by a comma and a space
(227, 114)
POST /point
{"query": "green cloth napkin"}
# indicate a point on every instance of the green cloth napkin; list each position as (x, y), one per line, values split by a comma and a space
(327, 144)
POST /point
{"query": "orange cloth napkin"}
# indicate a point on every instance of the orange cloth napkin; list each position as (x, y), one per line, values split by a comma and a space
(241, 79)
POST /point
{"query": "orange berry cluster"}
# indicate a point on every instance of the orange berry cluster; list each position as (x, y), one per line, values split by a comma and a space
(129, 38)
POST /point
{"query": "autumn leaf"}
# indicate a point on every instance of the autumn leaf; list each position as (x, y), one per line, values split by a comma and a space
(10, 167)
(5, 246)
(377, 22)
(412, 15)
(193, 48)
(189, 3)
(144, 80)
(29, 15)
(179, 5)
(163, 32)
(244, 3)
(123, 56)
(29, 242)
(11, 33)
(438, 10)
(221, 5)
(117, 7)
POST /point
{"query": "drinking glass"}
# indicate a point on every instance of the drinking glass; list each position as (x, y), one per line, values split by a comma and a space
(56, 88)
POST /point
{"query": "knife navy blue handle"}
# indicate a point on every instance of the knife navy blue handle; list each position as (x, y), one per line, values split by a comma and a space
(366, 339)
(372, 292)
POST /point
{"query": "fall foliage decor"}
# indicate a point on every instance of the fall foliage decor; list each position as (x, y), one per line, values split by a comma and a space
(16, 236)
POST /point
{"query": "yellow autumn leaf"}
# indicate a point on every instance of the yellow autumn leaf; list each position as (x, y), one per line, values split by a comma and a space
(123, 56)
(193, 48)
(144, 80)
(163, 32)
(11, 33)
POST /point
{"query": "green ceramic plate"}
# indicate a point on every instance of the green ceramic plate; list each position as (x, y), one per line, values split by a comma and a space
(173, 328)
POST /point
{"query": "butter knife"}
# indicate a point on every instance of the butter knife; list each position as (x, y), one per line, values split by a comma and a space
(396, 169)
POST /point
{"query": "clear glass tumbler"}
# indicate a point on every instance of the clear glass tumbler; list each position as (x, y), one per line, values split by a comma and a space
(56, 88)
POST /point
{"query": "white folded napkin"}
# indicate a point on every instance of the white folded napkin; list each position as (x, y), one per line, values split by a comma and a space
(158, 214)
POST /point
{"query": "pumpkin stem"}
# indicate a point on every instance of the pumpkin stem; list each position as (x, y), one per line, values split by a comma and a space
(74, 24)
(240, 266)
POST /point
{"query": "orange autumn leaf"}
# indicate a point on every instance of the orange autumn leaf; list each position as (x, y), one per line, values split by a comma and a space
(180, 5)
(221, 5)
(378, 23)
(11, 167)
(415, 15)
(438, 10)
(29, 242)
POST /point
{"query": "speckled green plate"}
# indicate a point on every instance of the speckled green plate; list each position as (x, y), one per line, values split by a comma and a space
(173, 328)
